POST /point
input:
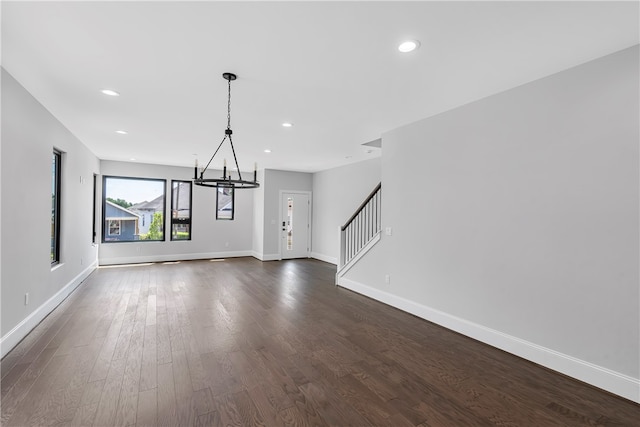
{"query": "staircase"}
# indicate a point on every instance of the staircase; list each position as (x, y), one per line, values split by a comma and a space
(361, 232)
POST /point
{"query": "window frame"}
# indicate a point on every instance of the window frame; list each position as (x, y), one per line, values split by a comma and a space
(56, 187)
(180, 221)
(94, 234)
(104, 209)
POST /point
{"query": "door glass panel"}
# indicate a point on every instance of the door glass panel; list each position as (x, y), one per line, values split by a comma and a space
(289, 224)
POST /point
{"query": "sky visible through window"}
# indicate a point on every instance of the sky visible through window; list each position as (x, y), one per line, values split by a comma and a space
(134, 191)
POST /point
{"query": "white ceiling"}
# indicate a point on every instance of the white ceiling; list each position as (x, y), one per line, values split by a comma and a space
(330, 68)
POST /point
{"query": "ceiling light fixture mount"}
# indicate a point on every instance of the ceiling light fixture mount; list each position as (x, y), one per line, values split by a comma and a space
(225, 181)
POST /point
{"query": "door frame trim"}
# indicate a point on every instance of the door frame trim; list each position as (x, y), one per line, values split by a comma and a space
(308, 193)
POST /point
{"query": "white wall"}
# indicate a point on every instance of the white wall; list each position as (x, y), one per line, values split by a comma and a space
(515, 221)
(276, 181)
(29, 135)
(258, 218)
(337, 193)
(210, 238)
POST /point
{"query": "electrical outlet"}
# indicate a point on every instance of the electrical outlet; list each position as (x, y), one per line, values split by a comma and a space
(387, 279)
(388, 231)
(26, 298)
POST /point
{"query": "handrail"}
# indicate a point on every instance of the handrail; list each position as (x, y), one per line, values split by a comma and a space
(361, 207)
(361, 229)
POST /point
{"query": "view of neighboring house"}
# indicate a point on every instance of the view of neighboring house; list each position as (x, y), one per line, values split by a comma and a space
(181, 210)
(120, 223)
(224, 203)
(145, 211)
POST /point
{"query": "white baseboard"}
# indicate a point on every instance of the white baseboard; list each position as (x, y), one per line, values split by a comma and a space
(325, 258)
(14, 336)
(598, 376)
(265, 257)
(173, 257)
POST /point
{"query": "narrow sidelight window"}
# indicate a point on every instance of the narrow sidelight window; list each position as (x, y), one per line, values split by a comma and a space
(180, 210)
(95, 200)
(55, 206)
(224, 203)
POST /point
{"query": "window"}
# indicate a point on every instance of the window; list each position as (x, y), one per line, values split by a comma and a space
(55, 207)
(114, 227)
(95, 200)
(133, 209)
(180, 210)
(224, 203)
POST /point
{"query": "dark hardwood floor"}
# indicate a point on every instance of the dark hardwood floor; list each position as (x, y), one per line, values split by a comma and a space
(241, 342)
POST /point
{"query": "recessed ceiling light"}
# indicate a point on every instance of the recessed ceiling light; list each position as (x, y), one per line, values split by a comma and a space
(409, 46)
(267, 151)
(122, 132)
(110, 92)
(132, 158)
(287, 124)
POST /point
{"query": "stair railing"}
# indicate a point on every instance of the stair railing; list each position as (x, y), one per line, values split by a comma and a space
(361, 228)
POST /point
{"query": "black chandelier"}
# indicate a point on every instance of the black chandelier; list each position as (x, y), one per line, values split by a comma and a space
(225, 181)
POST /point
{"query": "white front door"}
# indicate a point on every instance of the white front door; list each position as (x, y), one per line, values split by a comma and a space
(295, 225)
